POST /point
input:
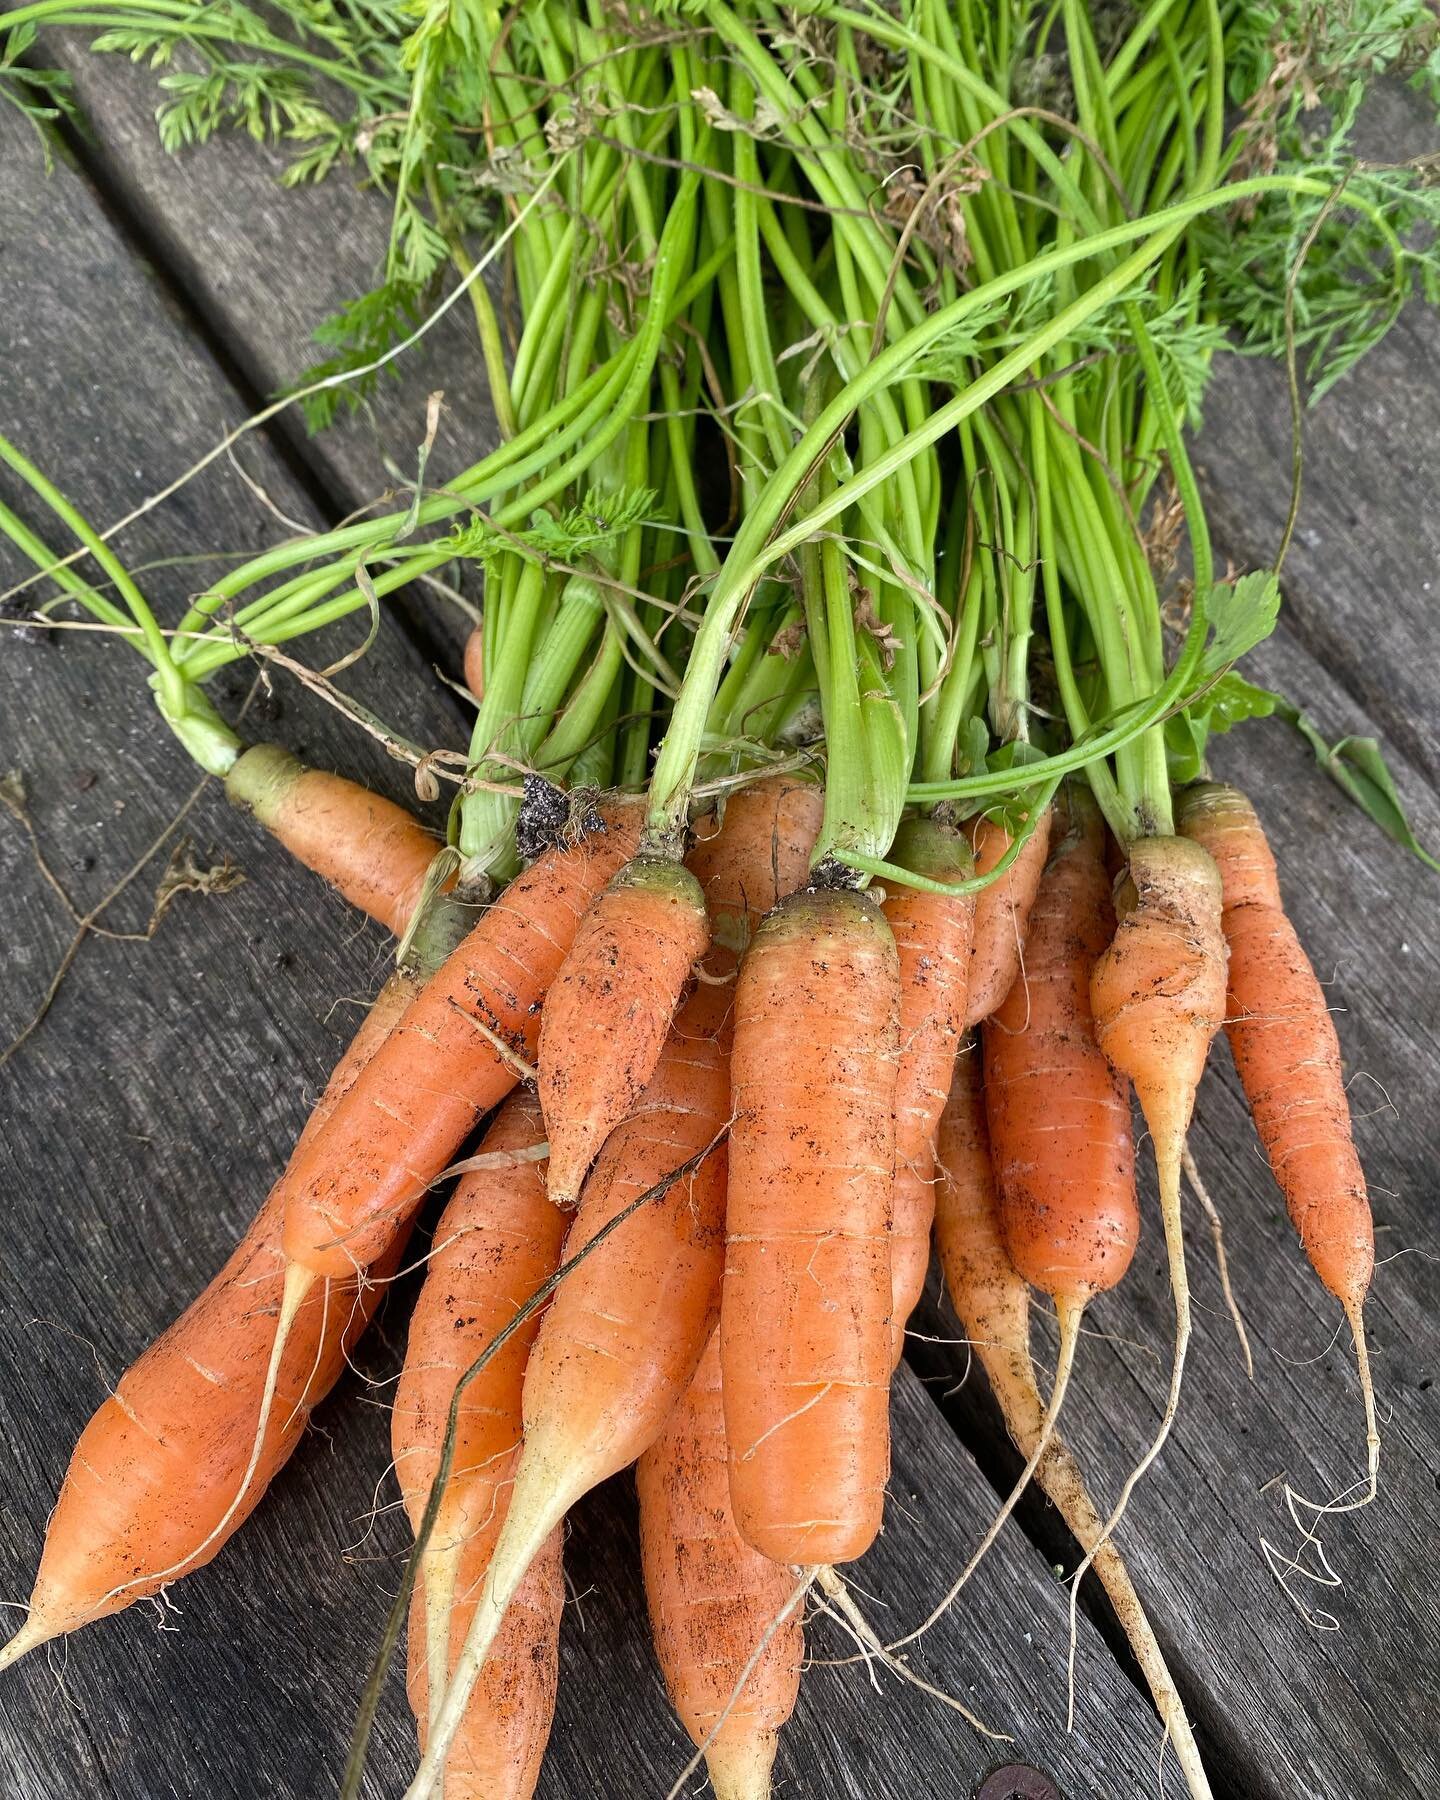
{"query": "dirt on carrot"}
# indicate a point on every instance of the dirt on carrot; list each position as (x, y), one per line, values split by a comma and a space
(805, 1330)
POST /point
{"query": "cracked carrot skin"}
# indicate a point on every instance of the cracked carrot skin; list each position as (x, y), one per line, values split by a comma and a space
(372, 850)
(365, 1173)
(1059, 1115)
(805, 1316)
(712, 1598)
(606, 1018)
(933, 935)
(1285, 1047)
(160, 1462)
(496, 1242)
(1002, 911)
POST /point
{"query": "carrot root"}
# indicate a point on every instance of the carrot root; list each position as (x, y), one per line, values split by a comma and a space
(1222, 1261)
(1059, 1476)
(841, 1604)
(545, 1489)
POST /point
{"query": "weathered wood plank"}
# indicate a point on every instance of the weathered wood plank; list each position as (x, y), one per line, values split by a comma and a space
(155, 1105)
(262, 269)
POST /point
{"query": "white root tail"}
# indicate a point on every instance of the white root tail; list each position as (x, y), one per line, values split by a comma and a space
(1070, 1317)
(544, 1491)
(1222, 1262)
(1168, 1146)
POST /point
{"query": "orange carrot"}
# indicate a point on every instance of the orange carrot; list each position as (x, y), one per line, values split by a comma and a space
(805, 1329)
(752, 856)
(621, 1338)
(451, 1059)
(495, 1243)
(933, 934)
(497, 1751)
(1288, 1057)
(606, 1017)
(745, 864)
(149, 1492)
(1058, 1116)
(1158, 998)
(373, 851)
(713, 1599)
(1001, 911)
(1158, 992)
(993, 1304)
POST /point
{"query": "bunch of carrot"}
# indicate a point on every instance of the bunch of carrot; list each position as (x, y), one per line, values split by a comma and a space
(829, 861)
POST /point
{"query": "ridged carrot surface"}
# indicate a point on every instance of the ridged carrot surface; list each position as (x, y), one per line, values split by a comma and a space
(495, 1243)
(745, 863)
(751, 857)
(623, 1335)
(498, 1750)
(1158, 992)
(1002, 911)
(712, 1598)
(445, 1066)
(805, 1327)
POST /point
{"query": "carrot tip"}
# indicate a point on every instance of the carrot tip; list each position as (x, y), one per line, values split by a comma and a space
(29, 1637)
(741, 1771)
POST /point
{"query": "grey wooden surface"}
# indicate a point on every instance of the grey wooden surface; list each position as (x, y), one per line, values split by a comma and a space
(146, 304)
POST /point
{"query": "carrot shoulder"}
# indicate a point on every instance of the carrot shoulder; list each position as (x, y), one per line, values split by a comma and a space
(1002, 911)
(452, 1057)
(369, 848)
(605, 1020)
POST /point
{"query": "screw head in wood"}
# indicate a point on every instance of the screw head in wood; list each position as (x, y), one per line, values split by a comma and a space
(1018, 1781)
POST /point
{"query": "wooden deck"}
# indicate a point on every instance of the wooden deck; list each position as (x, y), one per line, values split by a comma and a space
(147, 304)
